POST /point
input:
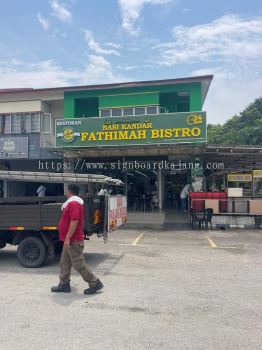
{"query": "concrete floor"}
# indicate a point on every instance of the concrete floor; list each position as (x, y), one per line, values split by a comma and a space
(168, 219)
(163, 289)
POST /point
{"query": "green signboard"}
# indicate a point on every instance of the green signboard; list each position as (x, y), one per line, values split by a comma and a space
(173, 128)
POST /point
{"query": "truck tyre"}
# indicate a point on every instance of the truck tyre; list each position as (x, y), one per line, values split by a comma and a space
(32, 252)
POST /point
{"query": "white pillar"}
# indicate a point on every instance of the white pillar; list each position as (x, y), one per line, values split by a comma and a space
(5, 189)
(126, 179)
(160, 188)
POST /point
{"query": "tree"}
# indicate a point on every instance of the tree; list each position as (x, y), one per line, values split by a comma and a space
(245, 128)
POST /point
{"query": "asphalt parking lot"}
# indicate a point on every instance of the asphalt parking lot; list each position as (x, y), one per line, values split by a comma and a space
(163, 289)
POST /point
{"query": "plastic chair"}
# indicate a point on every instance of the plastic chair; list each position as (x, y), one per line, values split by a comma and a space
(208, 217)
(196, 217)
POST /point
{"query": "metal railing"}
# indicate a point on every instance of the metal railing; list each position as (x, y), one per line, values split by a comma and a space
(47, 140)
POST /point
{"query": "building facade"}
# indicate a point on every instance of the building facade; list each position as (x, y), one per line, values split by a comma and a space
(27, 133)
(146, 133)
(152, 135)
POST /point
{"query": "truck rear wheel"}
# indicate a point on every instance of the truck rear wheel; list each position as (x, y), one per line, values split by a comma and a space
(32, 252)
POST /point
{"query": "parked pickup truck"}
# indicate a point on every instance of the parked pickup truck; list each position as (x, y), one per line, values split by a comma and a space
(31, 223)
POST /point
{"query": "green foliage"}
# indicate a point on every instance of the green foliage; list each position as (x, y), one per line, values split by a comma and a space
(242, 129)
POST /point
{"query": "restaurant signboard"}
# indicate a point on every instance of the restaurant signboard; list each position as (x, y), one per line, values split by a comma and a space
(257, 173)
(13, 147)
(239, 177)
(171, 128)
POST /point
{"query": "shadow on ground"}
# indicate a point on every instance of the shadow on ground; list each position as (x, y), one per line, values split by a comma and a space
(104, 262)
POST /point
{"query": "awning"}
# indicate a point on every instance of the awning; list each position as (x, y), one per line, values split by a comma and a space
(58, 177)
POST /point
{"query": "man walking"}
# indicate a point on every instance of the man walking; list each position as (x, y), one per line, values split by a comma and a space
(71, 233)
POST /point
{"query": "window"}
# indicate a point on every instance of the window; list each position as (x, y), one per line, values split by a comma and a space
(151, 110)
(7, 124)
(140, 111)
(163, 110)
(16, 124)
(46, 123)
(35, 122)
(26, 123)
(1, 124)
(128, 111)
(19, 123)
(105, 112)
(116, 112)
(183, 101)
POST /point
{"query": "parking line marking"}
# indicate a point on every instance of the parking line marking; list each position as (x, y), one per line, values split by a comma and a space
(137, 240)
(212, 243)
(138, 245)
(230, 248)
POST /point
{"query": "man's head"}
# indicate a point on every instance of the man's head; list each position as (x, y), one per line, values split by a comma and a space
(73, 190)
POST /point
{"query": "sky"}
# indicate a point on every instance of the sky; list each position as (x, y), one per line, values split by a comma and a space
(52, 43)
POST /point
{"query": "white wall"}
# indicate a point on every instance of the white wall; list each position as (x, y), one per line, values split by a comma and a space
(57, 108)
(20, 106)
(57, 111)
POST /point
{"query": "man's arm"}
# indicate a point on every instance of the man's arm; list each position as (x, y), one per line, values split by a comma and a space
(71, 231)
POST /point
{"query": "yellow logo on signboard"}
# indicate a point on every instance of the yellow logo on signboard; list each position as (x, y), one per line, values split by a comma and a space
(68, 134)
(194, 119)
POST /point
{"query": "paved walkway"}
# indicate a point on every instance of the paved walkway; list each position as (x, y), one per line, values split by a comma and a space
(169, 218)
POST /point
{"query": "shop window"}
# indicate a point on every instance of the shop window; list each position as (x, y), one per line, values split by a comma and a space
(46, 123)
(183, 101)
(140, 111)
(105, 112)
(1, 124)
(151, 110)
(116, 112)
(35, 122)
(128, 111)
(7, 124)
(26, 123)
(163, 110)
(16, 124)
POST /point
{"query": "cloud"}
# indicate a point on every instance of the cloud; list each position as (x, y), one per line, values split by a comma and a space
(58, 33)
(60, 11)
(44, 23)
(228, 94)
(115, 46)
(229, 47)
(223, 39)
(19, 74)
(37, 75)
(94, 45)
(131, 10)
(99, 71)
(129, 67)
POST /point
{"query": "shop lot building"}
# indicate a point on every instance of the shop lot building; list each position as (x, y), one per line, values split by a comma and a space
(152, 135)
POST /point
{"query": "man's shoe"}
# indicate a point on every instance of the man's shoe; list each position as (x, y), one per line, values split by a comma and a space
(61, 288)
(91, 290)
